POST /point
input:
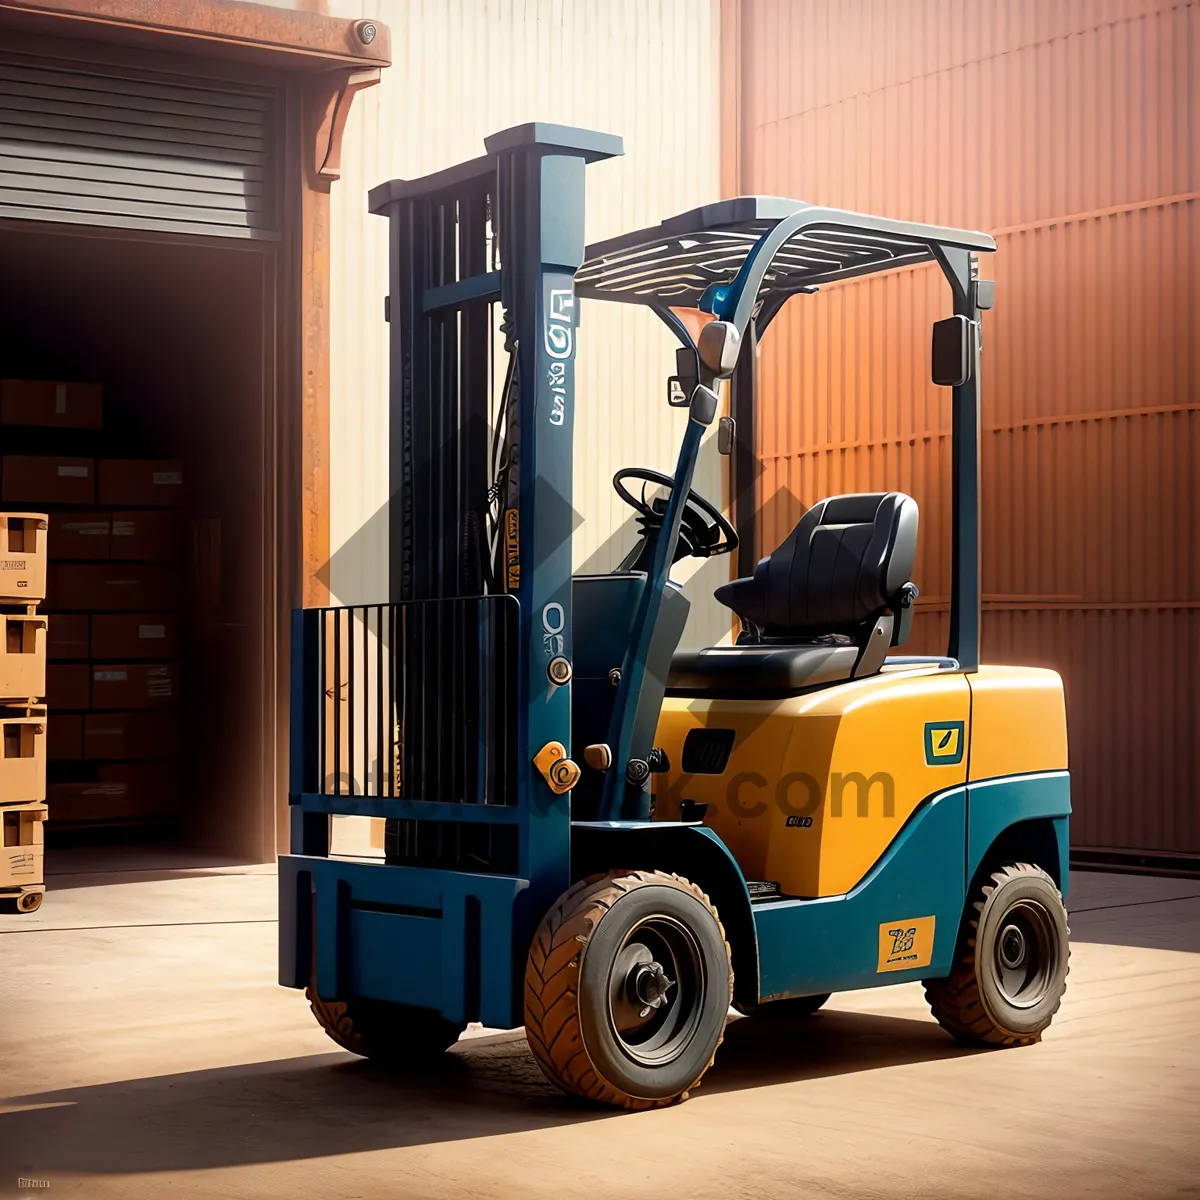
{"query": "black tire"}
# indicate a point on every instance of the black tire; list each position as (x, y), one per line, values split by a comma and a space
(1011, 965)
(627, 988)
(797, 1006)
(391, 1034)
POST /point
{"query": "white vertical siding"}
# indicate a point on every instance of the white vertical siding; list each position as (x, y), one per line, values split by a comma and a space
(463, 69)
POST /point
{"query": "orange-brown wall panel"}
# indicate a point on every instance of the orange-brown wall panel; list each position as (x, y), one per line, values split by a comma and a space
(1098, 510)
(1131, 710)
(985, 114)
(1069, 131)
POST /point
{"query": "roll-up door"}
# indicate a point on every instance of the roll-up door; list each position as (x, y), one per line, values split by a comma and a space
(98, 145)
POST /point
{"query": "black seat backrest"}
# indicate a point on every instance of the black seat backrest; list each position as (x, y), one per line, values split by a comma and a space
(842, 566)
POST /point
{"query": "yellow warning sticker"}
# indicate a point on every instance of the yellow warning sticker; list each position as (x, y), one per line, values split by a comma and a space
(512, 549)
(905, 944)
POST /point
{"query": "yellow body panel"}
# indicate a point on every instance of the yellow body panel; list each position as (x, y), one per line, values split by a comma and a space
(1019, 722)
(817, 786)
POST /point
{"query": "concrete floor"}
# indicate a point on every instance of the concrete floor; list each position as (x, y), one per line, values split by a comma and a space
(146, 1051)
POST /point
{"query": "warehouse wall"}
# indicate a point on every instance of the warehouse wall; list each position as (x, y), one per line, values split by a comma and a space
(463, 70)
(1069, 131)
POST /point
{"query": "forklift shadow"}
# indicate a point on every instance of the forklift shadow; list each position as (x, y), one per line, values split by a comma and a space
(329, 1104)
(761, 1052)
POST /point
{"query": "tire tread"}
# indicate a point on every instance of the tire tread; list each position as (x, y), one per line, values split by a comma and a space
(956, 1001)
(556, 1038)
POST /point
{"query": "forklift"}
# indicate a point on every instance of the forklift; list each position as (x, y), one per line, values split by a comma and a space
(593, 833)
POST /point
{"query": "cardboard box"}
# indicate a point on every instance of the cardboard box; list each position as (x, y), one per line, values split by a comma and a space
(68, 686)
(64, 737)
(79, 803)
(146, 535)
(135, 735)
(111, 587)
(22, 845)
(68, 636)
(156, 786)
(23, 557)
(22, 656)
(140, 483)
(121, 798)
(86, 534)
(22, 755)
(51, 404)
(47, 479)
(134, 685)
(134, 635)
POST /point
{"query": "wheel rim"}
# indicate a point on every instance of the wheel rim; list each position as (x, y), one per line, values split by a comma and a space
(656, 990)
(1026, 954)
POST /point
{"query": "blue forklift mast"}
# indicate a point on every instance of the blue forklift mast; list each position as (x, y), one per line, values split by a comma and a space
(429, 710)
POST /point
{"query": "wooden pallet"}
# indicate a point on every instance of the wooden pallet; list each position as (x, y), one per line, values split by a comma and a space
(24, 899)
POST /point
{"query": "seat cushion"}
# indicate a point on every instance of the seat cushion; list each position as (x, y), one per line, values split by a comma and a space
(768, 671)
(837, 571)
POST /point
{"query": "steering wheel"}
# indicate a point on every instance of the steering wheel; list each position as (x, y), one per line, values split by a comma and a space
(704, 531)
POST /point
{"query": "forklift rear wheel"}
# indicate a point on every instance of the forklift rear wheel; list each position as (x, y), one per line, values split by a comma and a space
(627, 987)
(391, 1034)
(1011, 970)
(797, 1006)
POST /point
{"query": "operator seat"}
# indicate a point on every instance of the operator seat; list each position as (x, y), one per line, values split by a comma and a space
(824, 607)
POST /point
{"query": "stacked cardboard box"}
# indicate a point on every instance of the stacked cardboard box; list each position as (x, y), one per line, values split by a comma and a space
(22, 713)
(112, 680)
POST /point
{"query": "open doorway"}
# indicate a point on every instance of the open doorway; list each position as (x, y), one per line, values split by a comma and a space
(163, 571)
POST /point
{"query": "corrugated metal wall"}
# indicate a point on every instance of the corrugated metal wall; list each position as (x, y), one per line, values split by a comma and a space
(464, 69)
(1070, 131)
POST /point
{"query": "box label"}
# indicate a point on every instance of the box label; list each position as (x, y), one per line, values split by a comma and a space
(12, 564)
(158, 681)
(72, 472)
(168, 477)
(22, 864)
(122, 529)
(110, 676)
(60, 398)
(88, 528)
(152, 631)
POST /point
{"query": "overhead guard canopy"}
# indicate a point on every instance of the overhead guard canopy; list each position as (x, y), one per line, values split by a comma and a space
(697, 253)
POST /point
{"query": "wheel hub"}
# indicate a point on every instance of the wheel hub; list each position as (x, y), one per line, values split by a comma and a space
(648, 986)
(1012, 947)
(1026, 954)
(655, 990)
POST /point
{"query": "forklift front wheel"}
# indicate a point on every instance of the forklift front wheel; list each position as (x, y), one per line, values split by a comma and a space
(627, 987)
(1011, 967)
(391, 1034)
